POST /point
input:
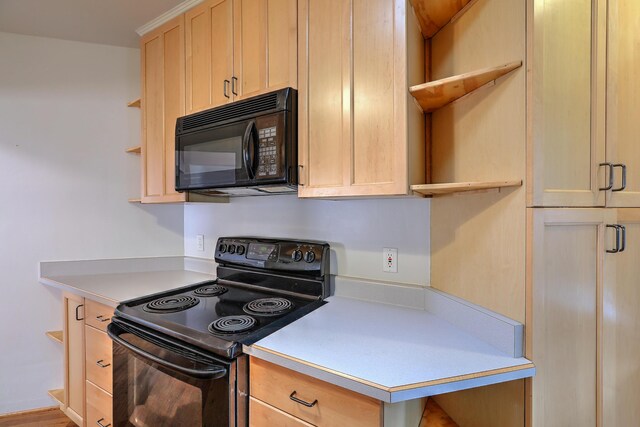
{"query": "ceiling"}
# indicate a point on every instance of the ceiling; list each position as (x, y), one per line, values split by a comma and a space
(111, 22)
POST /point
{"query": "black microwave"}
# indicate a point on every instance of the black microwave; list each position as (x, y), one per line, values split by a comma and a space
(248, 147)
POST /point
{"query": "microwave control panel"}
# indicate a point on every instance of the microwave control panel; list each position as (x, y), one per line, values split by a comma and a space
(268, 152)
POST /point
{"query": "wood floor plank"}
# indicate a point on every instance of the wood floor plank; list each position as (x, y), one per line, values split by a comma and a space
(47, 417)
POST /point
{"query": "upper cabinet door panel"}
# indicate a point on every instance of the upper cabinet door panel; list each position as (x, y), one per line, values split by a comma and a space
(209, 54)
(265, 46)
(623, 99)
(153, 115)
(568, 103)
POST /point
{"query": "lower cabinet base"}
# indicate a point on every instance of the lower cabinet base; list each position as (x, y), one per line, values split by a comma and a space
(264, 415)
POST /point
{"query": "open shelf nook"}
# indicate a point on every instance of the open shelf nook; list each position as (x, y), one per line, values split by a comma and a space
(134, 104)
(55, 335)
(58, 395)
(435, 14)
(134, 150)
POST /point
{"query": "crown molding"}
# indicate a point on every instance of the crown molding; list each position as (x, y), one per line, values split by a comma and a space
(167, 16)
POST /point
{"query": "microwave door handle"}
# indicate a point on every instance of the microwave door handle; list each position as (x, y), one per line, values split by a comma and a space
(213, 372)
(248, 148)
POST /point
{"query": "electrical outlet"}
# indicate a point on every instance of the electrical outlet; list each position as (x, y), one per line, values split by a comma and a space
(200, 242)
(390, 260)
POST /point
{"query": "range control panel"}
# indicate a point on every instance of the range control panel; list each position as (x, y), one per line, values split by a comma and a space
(274, 254)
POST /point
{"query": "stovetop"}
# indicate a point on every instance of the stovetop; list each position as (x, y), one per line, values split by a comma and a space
(219, 323)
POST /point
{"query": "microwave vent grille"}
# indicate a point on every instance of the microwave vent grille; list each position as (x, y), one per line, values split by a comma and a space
(233, 111)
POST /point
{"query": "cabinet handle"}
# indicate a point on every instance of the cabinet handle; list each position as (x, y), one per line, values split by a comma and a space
(610, 182)
(77, 315)
(624, 176)
(102, 318)
(234, 82)
(102, 365)
(99, 422)
(293, 397)
(621, 238)
(225, 88)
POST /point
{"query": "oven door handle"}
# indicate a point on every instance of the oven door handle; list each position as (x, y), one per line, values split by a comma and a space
(249, 148)
(211, 372)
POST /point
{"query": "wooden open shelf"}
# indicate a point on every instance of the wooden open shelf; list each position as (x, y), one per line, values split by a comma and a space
(138, 200)
(435, 14)
(135, 103)
(55, 335)
(462, 187)
(438, 93)
(57, 394)
(135, 150)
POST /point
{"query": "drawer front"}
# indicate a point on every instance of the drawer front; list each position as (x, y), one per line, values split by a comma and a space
(335, 405)
(98, 350)
(97, 315)
(263, 415)
(99, 406)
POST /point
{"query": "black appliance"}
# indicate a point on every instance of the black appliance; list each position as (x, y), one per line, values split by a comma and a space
(248, 147)
(177, 355)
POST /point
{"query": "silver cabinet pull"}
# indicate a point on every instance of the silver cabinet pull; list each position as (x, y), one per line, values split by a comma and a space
(101, 364)
(102, 318)
(99, 422)
(293, 397)
(234, 83)
(624, 176)
(621, 238)
(610, 181)
(225, 88)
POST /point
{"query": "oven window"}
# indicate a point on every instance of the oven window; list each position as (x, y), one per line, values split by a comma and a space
(147, 394)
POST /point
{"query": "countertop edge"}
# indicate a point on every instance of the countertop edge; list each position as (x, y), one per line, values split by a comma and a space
(78, 291)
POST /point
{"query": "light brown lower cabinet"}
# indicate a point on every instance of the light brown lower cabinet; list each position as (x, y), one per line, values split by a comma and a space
(584, 321)
(88, 367)
(280, 396)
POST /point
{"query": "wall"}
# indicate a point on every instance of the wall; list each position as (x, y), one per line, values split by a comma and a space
(64, 183)
(356, 229)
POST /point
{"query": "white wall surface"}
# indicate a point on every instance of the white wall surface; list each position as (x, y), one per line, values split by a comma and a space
(356, 229)
(64, 184)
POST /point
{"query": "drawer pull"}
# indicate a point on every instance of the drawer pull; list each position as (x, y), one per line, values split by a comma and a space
(293, 397)
(102, 318)
(99, 422)
(102, 365)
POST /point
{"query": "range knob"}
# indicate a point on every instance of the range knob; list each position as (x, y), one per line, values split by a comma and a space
(309, 257)
(240, 250)
(222, 248)
(231, 249)
(296, 255)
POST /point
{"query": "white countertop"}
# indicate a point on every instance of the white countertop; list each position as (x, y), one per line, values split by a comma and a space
(387, 352)
(113, 281)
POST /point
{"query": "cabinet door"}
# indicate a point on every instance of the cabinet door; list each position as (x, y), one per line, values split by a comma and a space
(209, 55)
(621, 329)
(162, 102)
(352, 125)
(567, 272)
(265, 46)
(623, 99)
(568, 84)
(74, 356)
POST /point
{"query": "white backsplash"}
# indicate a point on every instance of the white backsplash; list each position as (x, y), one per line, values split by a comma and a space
(356, 229)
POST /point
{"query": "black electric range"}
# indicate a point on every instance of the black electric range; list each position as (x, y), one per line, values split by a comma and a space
(194, 334)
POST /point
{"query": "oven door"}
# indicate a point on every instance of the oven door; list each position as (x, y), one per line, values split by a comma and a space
(217, 157)
(161, 382)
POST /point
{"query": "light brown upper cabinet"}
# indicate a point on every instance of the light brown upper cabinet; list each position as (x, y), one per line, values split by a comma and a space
(585, 103)
(359, 131)
(162, 102)
(237, 49)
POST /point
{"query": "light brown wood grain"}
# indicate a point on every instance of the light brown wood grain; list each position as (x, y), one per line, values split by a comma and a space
(49, 417)
(623, 99)
(435, 416)
(73, 332)
(134, 103)
(335, 406)
(250, 46)
(56, 336)
(263, 415)
(98, 352)
(97, 315)
(435, 14)
(460, 187)
(163, 100)
(99, 406)
(436, 94)
(134, 150)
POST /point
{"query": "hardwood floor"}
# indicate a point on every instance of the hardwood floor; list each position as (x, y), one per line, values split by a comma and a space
(48, 417)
